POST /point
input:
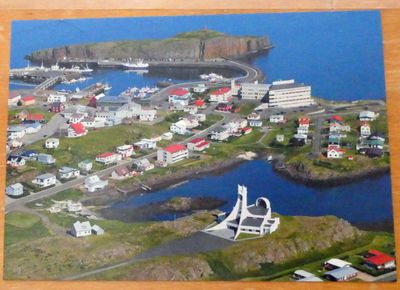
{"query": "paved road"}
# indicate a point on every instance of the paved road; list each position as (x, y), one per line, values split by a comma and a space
(48, 129)
(12, 204)
(196, 243)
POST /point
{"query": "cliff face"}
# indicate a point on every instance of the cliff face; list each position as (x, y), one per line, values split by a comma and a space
(197, 45)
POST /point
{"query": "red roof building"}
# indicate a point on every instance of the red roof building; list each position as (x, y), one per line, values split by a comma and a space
(178, 92)
(76, 130)
(172, 154)
(379, 260)
(108, 157)
(336, 118)
(35, 117)
(304, 121)
(221, 95)
(198, 144)
(199, 103)
(247, 130)
(28, 100)
(175, 148)
(221, 91)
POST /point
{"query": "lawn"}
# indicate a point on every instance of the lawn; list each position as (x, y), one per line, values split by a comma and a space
(246, 108)
(12, 113)
(21, 226)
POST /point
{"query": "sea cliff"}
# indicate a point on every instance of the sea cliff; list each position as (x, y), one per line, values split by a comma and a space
(196, 45)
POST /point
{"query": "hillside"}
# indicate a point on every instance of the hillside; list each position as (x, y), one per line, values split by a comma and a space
(195, 45)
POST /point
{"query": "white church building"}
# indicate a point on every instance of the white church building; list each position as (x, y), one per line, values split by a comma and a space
(250, 219)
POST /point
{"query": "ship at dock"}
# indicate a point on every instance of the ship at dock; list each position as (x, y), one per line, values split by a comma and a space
(138, 64)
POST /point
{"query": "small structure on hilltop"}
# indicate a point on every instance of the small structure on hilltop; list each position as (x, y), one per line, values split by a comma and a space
(254, 219)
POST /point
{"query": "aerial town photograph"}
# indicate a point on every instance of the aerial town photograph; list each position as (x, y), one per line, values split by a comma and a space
(211, 147)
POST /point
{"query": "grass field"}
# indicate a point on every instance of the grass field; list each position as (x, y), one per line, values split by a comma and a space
(12, 113)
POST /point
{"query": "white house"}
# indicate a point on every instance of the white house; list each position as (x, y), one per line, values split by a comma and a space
(81, 229)
(146, 144)
(365, 129)
(144, 164)
(125, 150)
(94, 183)
(53, 98)
(302, 130)
(16, 132)
(45, 180)
(52, 143)
(201, 117)
(255, 123)
(220, 134)
(85, 165)
(89, 122)
(32, 128)
(179, 96)
(179, 128)
(121, 173)
(167, 136)
(221, 95)
(172, 153)
(367, 116)
(147, 115)
(191, 122)
(108, 158)
(335, 263)
(76, 118)
(253, 219)
(15, 190)
(45, 158)
(198, 144)
(96, 230)
(277, 119)
(288, 94)
(201, 88)
(253, 116)
(68, 172)
(334, 152)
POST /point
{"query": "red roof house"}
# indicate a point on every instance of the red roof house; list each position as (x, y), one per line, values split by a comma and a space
(172, 154)
(35, 117)
(199, 103)
(198, 144)
(28, 100)
(304, 121)
(178, 92)
(76, 130)
(174, 148)
(336, 118)
(247, 130)
(108, 157)
(379, 260)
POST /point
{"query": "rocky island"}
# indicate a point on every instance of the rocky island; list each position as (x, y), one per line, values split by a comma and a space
(197, 45)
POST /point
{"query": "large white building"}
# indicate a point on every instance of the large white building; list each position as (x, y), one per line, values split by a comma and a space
(253, 91)
(250, 219)
(288, 94)
(172, 153)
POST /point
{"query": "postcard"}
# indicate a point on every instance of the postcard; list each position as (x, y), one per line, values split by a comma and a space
(212, 147)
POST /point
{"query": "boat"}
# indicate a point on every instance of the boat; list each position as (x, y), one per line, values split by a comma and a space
(269, 159)
(139, 64)
(107, 87)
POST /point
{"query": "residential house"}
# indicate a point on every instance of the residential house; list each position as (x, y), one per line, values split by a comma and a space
(28, 100)
(200, 88)
(15, 143)
(34, 118)
(335, 119)
(278, 119)
(112, 103)
(32, 128)
(57, 107)
(302, 130)
(108, 158)
(15, 161)
(76, 118)
(191, 122)
(200, 117)
(374, 152)
(146, 144)
(253, 116)
(85, 165)
(45, 180)
(198, 144)
(341, 274)
(367, 116)
(335, 263)
(172, 153)
(94, 183)
(76, 130)
(53, 98)
(246, 130)
(15, 190)
(52, 143)
(126, 151)
(81, 229)
(304, 122)
(68, 172)
(121, 173)
(179, 96)
(222, 95)
(334, 152)
(29, 154)
(147, 115)
(13, 98)
(191, 109)
(220, 134)
(365, 129)
(179, 128)
(301, 274)
(15, 132)
(96, 230)
(379, 261)
(255, 123)
(89, 122)
(200, 104)
(45, 159)
(21, 115)
(143, 165)
(224, 107)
